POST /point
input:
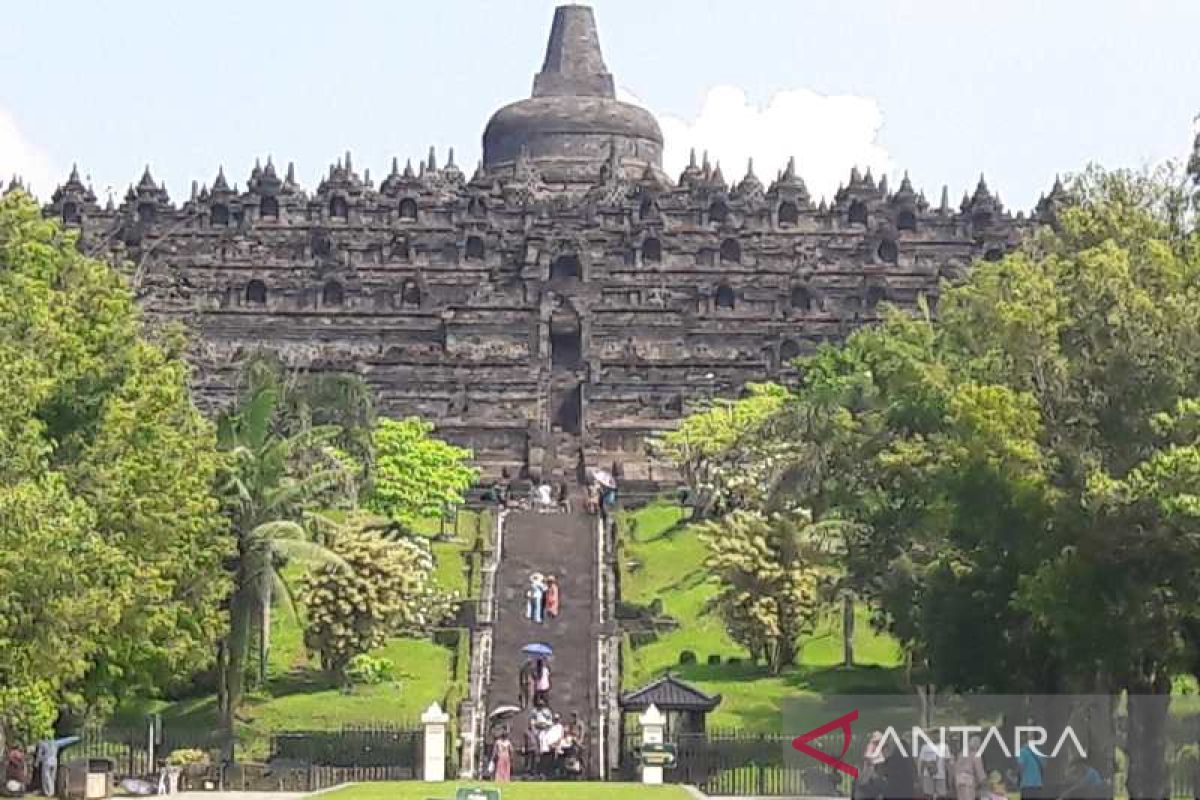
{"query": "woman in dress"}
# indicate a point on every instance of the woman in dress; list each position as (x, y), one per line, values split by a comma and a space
(552, 596)
(502, 752)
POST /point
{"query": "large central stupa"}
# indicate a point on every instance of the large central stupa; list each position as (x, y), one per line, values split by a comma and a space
(572, 122)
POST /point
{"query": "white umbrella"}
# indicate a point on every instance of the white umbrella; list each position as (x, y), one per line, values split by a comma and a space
(604, 478)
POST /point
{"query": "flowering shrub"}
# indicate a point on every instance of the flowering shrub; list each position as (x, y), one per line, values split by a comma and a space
(387, 590)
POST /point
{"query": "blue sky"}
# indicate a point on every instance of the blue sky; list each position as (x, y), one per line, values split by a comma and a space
(1019, 89)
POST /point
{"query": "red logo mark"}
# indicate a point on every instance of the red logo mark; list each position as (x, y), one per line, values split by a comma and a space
(842, 723)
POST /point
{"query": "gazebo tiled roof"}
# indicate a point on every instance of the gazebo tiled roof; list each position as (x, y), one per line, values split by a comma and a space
(668, 693)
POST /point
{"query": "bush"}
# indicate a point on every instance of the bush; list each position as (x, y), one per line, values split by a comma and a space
(187, 756)
(642, 638)
(686, 657)
(389, 590)
(368, 670)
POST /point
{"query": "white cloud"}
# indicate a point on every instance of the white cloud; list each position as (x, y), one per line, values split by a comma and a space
(19, 156)
(827, 134)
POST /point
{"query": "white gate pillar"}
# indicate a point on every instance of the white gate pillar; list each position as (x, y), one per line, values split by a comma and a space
(653, 724)
(435, 721)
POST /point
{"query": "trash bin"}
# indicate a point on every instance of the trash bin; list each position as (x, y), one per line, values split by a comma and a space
(87, 779)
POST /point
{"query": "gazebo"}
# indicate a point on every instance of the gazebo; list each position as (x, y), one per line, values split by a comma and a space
(684, 706)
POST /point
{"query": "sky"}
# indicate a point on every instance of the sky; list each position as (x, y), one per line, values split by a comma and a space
(1019, 90)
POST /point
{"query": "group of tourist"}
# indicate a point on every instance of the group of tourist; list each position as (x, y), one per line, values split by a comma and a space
(550, 748)
(533, 682)
(601, 492)
(937, 773)
(542, 497)
(22, 774)
(542, 598)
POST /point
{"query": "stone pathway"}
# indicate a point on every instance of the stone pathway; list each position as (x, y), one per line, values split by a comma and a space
(563, 545)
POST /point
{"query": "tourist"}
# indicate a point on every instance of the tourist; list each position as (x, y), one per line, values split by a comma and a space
(570, 765)
(525, 687)
(1087, 783)
(868, 784)
(551, 739)
(564, 498)
(996, 788)
(16, 771)
(46, 756)
(1031, 769)
(552, 596)
(593, 498)
(931, 763)
(536, 596)
(530, 746)
(899, 775)
(970, 779)
(541, 717)
(502, 750)
(544, 498)
(541, 687)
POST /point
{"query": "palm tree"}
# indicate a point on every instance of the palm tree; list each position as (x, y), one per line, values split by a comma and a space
(271, 482)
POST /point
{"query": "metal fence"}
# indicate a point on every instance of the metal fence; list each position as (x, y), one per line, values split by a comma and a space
(285, 760)
(736, 763)
(740, 764)
(397, 747)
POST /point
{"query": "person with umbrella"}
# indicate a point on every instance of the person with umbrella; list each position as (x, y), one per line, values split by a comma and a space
(541, 673)
(525, 684)
(502, 752)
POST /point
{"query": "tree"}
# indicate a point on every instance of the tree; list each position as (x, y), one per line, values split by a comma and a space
(1027, 470)
(273, 480)
(416, 475)
(111, 544)
(387, 588)
(723, 453)
(773, 573)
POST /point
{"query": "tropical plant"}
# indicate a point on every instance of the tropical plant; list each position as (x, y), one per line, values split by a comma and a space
(271, 483)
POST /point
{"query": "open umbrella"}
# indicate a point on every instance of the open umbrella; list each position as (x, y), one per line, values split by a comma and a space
(504, 712)
(538, 649)
(604, 478)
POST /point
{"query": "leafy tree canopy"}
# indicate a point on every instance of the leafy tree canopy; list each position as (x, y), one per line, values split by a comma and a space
(416, 475)
(111, 542)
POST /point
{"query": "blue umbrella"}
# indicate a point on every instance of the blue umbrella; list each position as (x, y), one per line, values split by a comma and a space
(538, 649)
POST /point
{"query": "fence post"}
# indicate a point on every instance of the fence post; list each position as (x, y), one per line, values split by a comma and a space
(652, 723)
(435, 721)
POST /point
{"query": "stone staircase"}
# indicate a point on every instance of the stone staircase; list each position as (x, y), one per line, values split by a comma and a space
(563, 545)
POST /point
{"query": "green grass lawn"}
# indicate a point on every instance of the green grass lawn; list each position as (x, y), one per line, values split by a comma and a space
(299, 696)
(665, 559)
(538, 790)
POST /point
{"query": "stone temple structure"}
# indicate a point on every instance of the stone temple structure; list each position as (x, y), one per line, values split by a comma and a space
(558, 306)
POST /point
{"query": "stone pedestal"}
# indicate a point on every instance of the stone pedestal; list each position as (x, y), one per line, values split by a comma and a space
(435, 721)
(653, 724)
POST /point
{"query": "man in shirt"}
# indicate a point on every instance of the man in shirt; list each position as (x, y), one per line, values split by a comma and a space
(551, 740)
(1031, 768)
